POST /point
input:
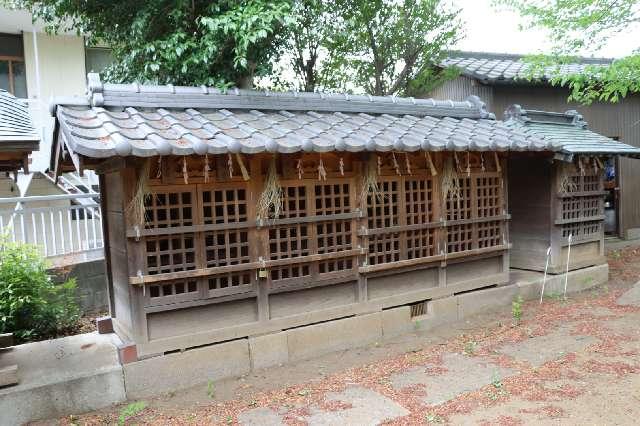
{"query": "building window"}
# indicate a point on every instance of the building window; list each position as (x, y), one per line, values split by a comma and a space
(12, 70)
(97, 58)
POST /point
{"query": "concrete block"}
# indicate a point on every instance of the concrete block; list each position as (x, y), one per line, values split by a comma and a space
(9, 375)
(396, 321)
(578, 280)
(63, 376)
(175, 371)
(529, 290)
(314, 340)
(632, 234)
(479, 301)
(55, 400)
(268, 350)
(439, 312)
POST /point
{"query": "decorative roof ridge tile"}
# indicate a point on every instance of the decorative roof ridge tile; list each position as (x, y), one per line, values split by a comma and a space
(568, 118)
(102, 94)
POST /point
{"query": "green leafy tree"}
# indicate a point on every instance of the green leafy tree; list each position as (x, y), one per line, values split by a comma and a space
(575, 25)
(187, 42)
(380, 47)
(32, 305)
(383, 46)
(307, 44)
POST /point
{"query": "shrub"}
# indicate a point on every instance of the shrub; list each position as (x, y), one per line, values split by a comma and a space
(32, 305)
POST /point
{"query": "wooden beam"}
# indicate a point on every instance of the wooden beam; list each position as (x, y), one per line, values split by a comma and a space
(218, 270)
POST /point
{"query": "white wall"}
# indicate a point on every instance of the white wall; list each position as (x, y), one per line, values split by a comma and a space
(61, 68)
(61, 65)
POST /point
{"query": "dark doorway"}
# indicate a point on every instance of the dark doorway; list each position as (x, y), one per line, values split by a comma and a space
(612, 198)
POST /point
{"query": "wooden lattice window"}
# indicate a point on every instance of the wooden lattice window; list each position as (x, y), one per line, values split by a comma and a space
(291, 240)
(172, 292)
(170, 253)
(489, 201)
(489, 196)
(336, 235)
(406, 203)
(229, 247)
(332, 199)
(232, 283)
(580, 203)
(476, 209)
(489, 234)
(581, 230)
(419, 210)
(459, 207)
(169, 209)
(224, 205)
(383, 212)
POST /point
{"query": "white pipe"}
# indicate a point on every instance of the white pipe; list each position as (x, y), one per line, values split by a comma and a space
(544, 279)
(566, 276)
(36, 62)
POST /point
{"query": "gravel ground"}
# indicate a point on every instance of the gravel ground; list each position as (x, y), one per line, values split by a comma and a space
(566, 362)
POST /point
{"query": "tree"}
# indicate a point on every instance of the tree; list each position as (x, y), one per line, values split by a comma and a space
(308, 41)
(382, 46)
(578, 24)
(187, 42)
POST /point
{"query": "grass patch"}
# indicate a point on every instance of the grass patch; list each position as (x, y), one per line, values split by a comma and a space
(131, 410)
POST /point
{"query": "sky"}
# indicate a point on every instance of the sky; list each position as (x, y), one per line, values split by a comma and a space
(491, 30)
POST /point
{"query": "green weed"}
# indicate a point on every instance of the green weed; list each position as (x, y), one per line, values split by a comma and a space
(211, 391)
(131, 410)
(516, 309)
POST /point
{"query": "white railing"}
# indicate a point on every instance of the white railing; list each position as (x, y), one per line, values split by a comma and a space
(58, 224)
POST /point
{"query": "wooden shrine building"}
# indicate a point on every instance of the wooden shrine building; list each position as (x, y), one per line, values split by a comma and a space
(558, 201)
(235, 214)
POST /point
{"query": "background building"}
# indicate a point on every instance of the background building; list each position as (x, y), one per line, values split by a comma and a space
(36, 66)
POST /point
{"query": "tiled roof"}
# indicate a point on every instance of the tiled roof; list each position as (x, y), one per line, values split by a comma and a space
(505, 68)
(122, 120)
(16, 127)
(566, 132)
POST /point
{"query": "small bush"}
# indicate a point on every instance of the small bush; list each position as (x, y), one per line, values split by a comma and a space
(32, 305)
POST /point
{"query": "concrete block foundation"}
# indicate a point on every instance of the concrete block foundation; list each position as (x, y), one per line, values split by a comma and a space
(166, 373)
(60, 377)
(331, 336)
(268, 350)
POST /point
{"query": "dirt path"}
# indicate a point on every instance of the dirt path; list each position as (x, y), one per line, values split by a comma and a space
(574, 362)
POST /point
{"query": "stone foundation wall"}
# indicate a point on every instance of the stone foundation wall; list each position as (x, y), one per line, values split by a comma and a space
(91, 282)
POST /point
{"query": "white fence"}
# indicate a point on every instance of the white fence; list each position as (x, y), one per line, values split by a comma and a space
(58, 224)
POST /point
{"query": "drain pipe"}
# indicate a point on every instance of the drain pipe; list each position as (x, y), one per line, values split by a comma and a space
(544, 279)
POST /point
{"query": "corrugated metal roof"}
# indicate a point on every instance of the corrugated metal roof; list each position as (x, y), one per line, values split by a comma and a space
(165, 120)
(506, 68)
(16, 127)
(566, 133)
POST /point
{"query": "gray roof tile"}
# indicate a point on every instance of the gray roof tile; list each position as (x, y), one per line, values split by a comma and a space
(565, 133)
(16, 128)
(159, 120)
(507, 68)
